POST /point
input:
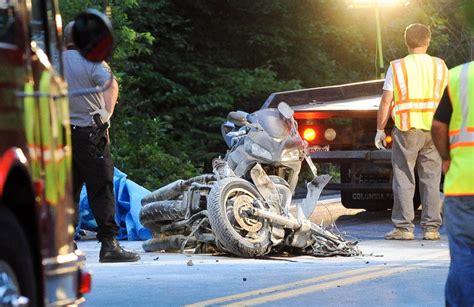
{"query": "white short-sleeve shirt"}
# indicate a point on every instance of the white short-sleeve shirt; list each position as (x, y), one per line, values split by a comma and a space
(388, 84)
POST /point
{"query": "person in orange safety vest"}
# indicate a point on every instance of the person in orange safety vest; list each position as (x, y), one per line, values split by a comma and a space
(411, 93)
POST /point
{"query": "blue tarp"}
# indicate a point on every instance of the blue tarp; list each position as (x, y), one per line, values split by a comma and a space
(128, 196)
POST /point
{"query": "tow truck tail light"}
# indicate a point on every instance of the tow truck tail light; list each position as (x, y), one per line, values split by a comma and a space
(86, 282)
(309, 134)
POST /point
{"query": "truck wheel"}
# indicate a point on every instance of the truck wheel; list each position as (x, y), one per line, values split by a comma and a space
(239, 232)
(161, 212)
(17, 276)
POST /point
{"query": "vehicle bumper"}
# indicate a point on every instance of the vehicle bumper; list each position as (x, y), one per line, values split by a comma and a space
(352, 155)
(63, 279)
(363, 187)
(381, 158)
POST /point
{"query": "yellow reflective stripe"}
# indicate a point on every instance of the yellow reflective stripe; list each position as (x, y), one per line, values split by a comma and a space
(463, 97)
(439, 69)
(400, 81)
(49, 155)
(35, 151)
(29, 103)
(46, 109)
(416, 106)
(404, 121)
(31, 134)
(463, 136)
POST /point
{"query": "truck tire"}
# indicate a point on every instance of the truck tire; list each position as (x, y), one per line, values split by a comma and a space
(161, 212)
(16, 261)
(224, 195)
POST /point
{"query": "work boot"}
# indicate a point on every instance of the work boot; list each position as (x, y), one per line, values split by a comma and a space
(399, 234)
(111, 251)
(431, 235)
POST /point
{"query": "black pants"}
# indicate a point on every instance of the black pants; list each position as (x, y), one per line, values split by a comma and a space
(97, 172)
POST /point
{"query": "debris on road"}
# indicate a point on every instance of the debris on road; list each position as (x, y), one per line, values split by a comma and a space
(190, 263)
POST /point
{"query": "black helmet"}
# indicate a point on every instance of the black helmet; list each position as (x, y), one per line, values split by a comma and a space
(68, 36)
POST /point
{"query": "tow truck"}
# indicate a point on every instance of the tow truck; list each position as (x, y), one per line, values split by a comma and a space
(339, 123)
(39, 263)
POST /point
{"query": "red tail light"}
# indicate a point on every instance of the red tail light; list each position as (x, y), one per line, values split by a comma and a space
(86, 282)
(309, 134)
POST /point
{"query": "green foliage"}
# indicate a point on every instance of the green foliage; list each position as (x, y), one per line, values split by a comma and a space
(451, 39)
(138, 150)
(183, 65)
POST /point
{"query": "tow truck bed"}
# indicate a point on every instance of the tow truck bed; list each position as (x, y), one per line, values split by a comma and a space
(349, 112)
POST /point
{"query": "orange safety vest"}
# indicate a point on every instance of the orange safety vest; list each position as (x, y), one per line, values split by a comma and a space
(459, 180)
(419, 82)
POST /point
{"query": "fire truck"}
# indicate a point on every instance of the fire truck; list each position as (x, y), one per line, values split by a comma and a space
(39, 264)
(339, 123)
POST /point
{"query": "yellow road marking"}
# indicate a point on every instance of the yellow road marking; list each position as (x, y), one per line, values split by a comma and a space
(335, 283)
(323, 286)
(284, 286)
(362, 274)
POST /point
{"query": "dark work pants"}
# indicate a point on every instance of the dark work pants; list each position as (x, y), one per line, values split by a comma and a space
(459, 217)
(97, 172)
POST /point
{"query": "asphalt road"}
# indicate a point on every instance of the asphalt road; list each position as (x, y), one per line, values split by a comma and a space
(390, 273)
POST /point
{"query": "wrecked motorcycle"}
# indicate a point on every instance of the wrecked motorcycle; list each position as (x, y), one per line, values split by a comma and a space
(243, 207)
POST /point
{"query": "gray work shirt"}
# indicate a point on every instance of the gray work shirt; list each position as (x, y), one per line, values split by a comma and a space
(82, 74)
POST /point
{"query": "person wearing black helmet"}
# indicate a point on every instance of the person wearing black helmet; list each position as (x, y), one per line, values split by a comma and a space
(92, 161)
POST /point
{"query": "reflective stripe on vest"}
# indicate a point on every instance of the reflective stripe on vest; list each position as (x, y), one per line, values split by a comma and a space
(32, 130)
(460, 177)
(416, 93)
(54, 153)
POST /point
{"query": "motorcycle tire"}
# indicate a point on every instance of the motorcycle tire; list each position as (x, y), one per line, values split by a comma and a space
(168, 243)
(228, 233)
(161, 212)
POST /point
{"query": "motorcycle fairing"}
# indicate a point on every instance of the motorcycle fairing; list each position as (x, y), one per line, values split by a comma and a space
(265, 186)
(315, 188)
(241, 159)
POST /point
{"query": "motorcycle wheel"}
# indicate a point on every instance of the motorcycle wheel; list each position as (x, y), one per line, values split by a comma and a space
(161, 212)
(167, 243)
(241, 235)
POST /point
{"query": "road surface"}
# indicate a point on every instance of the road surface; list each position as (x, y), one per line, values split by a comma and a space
(389, 273)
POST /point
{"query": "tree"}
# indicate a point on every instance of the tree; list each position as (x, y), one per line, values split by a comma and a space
(451, 38)
(184, 64)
